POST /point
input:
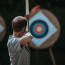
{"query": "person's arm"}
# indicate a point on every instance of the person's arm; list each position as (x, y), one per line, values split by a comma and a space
(25, 40)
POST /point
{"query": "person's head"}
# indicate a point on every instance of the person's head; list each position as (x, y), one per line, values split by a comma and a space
(19, 24)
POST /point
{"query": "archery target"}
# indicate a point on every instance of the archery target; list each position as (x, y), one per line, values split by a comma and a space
(2, 28)
(44, 27)
(39, 28)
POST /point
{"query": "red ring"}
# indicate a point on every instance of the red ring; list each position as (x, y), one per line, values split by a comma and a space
(39, 25)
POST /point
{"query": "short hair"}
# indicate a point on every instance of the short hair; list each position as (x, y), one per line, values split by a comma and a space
(18, 23)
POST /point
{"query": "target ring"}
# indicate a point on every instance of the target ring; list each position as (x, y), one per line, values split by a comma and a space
(39, 29)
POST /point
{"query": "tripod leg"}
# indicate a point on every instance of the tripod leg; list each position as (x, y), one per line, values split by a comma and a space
(52, 56)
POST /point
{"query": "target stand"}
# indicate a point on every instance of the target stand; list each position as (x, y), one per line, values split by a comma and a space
(45, 28)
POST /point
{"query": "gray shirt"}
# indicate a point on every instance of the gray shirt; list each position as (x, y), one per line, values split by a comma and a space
(19, 55)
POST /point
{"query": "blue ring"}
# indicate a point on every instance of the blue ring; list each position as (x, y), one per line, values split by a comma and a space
(35, 34)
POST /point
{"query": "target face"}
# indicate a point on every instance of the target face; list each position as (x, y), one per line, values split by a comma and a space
(2, 28)
(44, 27)
(39, 28)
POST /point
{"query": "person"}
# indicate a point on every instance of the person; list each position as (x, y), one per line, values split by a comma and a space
(17, 46)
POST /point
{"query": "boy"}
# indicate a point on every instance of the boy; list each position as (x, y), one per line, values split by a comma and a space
(17, 46)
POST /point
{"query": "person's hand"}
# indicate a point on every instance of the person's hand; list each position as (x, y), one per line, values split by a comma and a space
(26, 40)
(27, 17)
